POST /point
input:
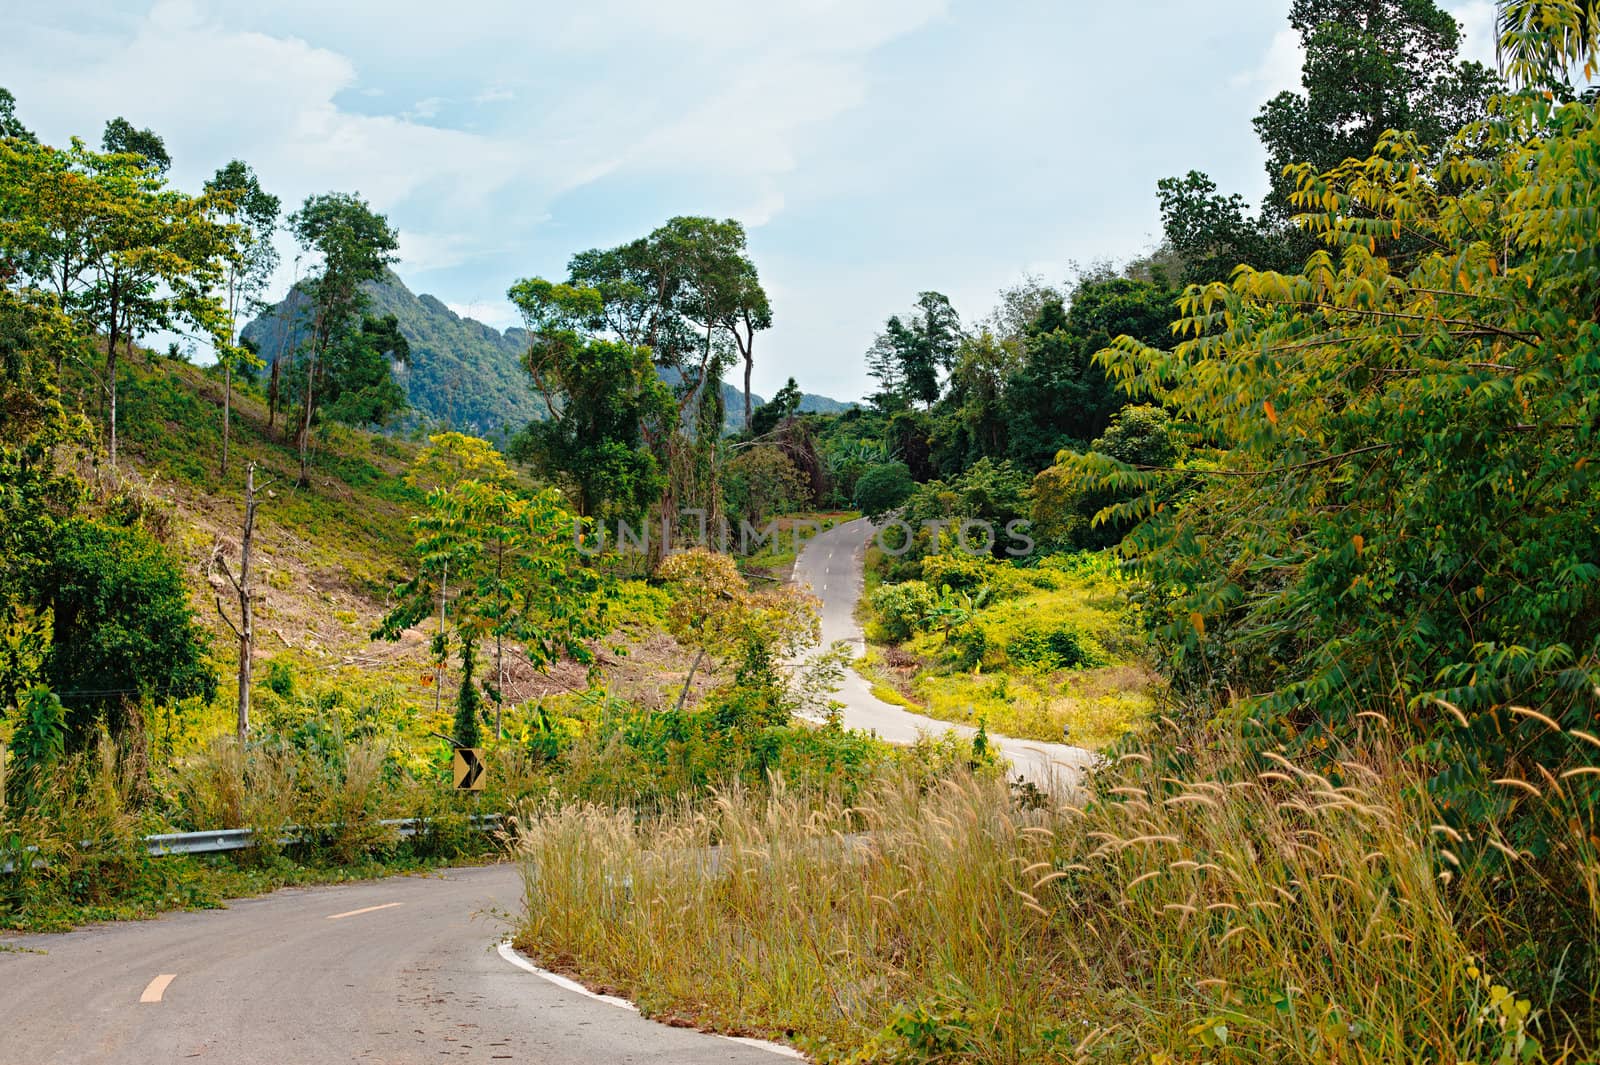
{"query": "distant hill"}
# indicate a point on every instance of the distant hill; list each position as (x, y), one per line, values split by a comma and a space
(463, 373)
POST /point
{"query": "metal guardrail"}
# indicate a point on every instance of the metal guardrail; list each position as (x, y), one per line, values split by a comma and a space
(222, 840)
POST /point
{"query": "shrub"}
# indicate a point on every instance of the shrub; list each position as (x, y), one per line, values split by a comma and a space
(903, 609)
(1046, 650)
(883, 489)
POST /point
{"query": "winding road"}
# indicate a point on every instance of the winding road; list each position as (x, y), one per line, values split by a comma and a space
(831, 565)
(404, 970)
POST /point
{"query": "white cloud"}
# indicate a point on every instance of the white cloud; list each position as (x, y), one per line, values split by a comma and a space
(496, 313)
(494, 96)
(426, 108)
(1477, 18)
(1279, 68)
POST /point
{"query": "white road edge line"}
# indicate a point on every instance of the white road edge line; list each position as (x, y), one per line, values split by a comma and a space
(364, 909)
(157, 988)
(515, 957)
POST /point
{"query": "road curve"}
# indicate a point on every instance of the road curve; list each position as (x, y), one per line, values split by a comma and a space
(394, 971)
(831, 565)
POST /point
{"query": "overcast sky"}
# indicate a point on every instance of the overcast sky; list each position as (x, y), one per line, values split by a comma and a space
(874, 148)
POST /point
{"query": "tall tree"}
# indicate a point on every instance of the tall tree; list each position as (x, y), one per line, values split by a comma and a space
(777, 410)
(605, 401)
(689, 293)
(1370, 66)
(978, 424)
(354, 244)
(513, 559)
(248, 263)
(122, 137)
(1059, 397)
(746, 313)
(357, 382)
(10, 126)
(152, 257)
(922, 345)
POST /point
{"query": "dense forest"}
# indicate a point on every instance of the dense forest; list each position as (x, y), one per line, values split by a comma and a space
(1289, 525)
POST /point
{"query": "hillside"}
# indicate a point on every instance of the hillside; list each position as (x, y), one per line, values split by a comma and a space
(463, 373)
(328, 554)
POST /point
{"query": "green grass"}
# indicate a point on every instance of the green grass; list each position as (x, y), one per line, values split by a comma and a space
(977, 671)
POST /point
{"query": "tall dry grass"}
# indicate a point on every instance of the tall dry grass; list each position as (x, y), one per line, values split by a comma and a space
(1198, 907)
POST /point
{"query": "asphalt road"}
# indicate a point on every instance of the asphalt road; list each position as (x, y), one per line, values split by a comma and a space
(403, 970)
(831, 565)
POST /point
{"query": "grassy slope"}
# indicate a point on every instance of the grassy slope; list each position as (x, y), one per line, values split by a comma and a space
(327, 556)
(327, 553)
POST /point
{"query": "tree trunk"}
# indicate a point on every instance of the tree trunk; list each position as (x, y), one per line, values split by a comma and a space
(305, 426)
(749, 363)
(111, 377)
(272, 394)
(227, 410)
(114, 334)
(698, 655)
(247, 627)
(438, 686)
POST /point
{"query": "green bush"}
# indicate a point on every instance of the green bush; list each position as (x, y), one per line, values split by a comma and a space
(1047, 650)
(883, 488)
(903, 609)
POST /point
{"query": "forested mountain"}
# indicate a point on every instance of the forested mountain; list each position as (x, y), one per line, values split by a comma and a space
(461, 373)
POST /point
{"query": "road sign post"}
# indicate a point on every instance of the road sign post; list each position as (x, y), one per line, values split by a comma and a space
(469, 769)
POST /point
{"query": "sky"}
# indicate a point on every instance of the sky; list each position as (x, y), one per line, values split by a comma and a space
(873, 148)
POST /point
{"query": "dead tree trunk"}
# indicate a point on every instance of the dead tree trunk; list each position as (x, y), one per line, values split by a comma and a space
(245, 630)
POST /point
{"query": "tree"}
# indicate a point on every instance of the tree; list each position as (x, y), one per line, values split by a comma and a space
(122, 253)
(747, 312)
(689, 293)
(977, 423)
(10, 126)
(714, 611)
(123, 628)
(883, 488)
(884, 366)
(1370, 66)
(1395, 511)
(1212, 233)
(151, 254)
(514, 559)
(605, 400)
(1059, 397)
(355, 244)
(915, 349)
(777, 410)
(762, 481)
(1018, 305)
(249, 260)
(121, 137)
(245, 629)
(357, 377)
(1064, 512)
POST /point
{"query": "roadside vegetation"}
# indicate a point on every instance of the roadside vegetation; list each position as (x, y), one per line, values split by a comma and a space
(1049, 651)
(1203, 906)
(1345, 488)
(1293, 519)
